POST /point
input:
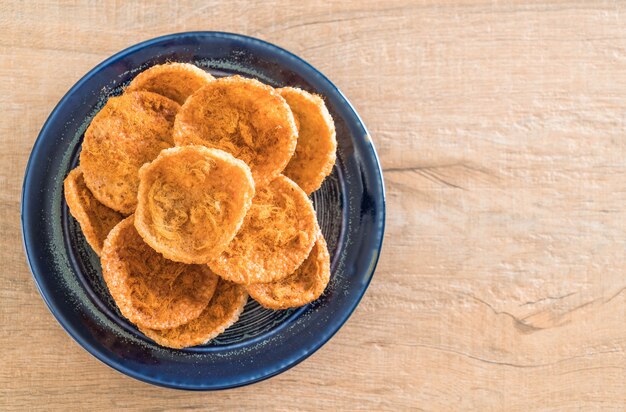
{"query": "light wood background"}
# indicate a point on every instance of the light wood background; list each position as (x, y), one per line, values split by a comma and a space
(502, 131)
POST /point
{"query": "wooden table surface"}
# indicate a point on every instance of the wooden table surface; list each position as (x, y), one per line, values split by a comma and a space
(501, 128)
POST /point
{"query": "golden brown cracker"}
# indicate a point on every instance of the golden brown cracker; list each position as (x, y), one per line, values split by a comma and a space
(243, 117)
(304, 286)
(129, 131)
(191, 202)
(223, 310)
(95, 219)
(315, 153)
(276, 236)
(149, 290)
(176, 81)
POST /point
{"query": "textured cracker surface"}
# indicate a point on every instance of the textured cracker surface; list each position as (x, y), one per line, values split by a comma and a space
(223, 310)
(95, 219)
(244, 117)
(150, 290)
(176, 81)
(276, 236)
(129, 131)
(315, 152)
(191, 202)
(305, 285)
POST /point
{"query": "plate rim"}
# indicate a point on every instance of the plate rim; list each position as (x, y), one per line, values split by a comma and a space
(26, 238)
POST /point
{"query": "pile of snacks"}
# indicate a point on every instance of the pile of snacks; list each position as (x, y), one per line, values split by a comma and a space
(194, 192)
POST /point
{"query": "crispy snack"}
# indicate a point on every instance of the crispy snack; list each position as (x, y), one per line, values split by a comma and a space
(95, 219)
(176, 81)
(275, 238)
(191, 202)
(304, 286)
(315, 153)
(243, 117)
(151, 291)
(223, 310)
(129, 131)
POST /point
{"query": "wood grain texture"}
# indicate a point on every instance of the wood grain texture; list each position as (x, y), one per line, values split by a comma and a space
(502, 131)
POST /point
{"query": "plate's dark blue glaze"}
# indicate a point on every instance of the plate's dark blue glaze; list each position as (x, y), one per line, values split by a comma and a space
(350, 207)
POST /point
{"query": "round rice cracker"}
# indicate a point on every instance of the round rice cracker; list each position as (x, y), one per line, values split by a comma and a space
(243, 117)
(315, 152)
(223, 311)
(176, 81)
(192, 201)
(129, 131)
(95, 219)
(276, 236)
(149, 290)
(304, 286)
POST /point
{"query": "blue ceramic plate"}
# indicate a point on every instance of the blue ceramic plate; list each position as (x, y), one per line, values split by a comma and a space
(350, 207)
